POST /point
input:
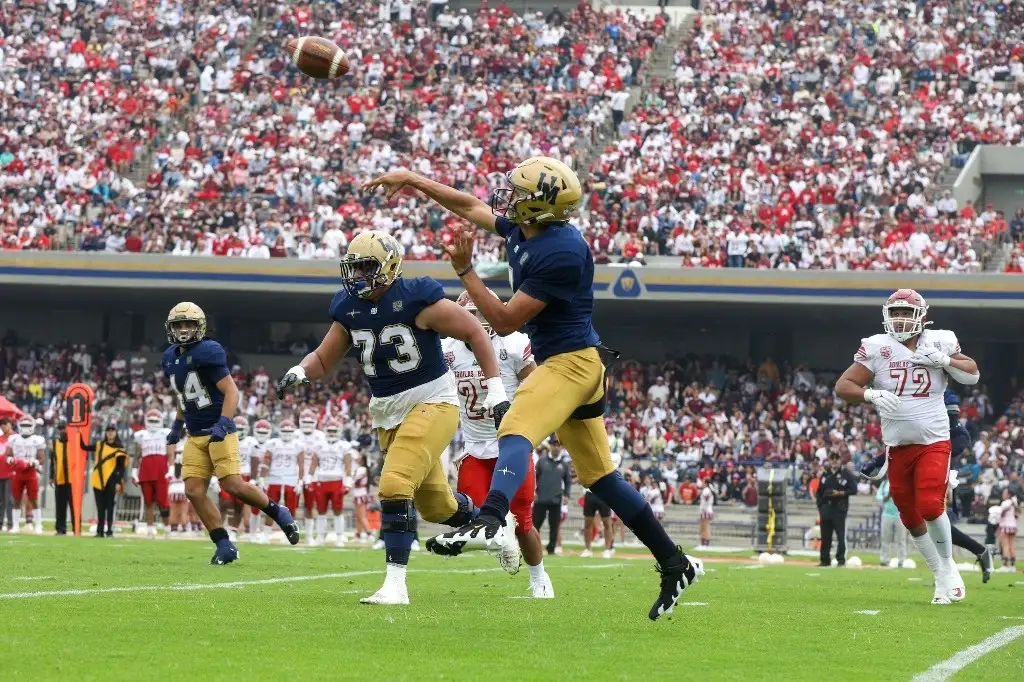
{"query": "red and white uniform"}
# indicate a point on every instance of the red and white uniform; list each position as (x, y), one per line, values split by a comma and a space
(176, 488)
(247, 448)
(312, 444)
(476, 468)
(707, 503)
(653, 496)
(284, 471)
(331, 475)
(917, 432)
(1008, 516)
(25, 450)
(361, 486)
(153, 466)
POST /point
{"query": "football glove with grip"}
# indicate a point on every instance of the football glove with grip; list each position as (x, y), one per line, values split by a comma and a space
(174, 435)
(496, 400)
(222, 428)
(885, 401)
(930, 357)
(293, 377)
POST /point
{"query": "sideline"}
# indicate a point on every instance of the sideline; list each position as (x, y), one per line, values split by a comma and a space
(961, 659)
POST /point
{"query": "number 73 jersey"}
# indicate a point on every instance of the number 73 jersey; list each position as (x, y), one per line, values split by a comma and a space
(921, 417)
(193, 372)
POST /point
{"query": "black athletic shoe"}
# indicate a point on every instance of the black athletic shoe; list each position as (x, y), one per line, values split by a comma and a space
(677, 574)
(985, 559)
(876, 468)
(288, 525)
(824, 565)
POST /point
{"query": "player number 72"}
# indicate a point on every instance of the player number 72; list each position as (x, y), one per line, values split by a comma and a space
(920, 380)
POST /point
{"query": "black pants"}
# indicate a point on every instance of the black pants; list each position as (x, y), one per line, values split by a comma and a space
(6, 503)
(553, 510)
(105, 507)
(62, 493)
(833, 522)
(990, 533)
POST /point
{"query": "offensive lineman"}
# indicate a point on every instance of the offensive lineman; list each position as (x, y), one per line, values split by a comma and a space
(395, 324)
(908, 366)
(515, 362)
(197, 370)
(152, 472)
(28, 451)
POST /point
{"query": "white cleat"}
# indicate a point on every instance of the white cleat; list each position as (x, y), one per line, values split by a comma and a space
(586, 554)
(608, 553)
(955, 588)
(541, 588)
(378, 545)
(941, 595)
(415, 546)
(393, 593)
(509, 555)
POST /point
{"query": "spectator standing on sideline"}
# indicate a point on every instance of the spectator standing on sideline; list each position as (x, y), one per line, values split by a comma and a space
(554, 483)
(6, 474)
(893, 531)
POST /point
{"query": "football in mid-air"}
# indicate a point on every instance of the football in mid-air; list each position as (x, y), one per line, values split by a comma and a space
(317, 57)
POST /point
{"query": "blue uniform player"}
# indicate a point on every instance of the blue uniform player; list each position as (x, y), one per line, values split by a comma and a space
(197, 369)
(552, 274)
(959, 441)
(395, 326)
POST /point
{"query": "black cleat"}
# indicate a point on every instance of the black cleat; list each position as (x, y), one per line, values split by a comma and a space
(677, 574)
(288, 525)
(985, 559)
(876, 468)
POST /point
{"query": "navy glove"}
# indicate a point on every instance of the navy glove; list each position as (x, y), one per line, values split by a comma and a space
(175, 434)
(222, 428)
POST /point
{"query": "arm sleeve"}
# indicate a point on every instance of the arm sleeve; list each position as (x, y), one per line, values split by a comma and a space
(503, 226)
(557, 276)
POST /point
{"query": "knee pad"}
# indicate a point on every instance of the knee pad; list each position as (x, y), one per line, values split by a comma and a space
(395, 487)
(397, 516)
(466, 512)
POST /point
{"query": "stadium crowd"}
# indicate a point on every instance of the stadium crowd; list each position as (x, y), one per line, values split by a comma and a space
(679, 422)
(790, 137)
(815, 135)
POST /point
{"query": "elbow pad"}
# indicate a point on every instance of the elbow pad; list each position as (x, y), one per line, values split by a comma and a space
(962, 377)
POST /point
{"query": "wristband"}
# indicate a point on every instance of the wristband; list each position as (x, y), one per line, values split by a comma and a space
(466, 271)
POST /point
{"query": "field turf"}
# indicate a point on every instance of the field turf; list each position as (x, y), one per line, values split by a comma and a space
(153, 609)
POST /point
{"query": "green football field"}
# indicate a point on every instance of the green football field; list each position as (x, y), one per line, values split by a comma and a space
(149, 609)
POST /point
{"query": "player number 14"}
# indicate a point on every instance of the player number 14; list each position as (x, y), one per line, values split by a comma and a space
(194, 392)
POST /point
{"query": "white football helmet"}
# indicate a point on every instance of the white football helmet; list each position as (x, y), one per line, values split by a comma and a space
(911, 315)
(26, 426)
(307, 421)
(262, 430)
(332, 430)
(154, 420)
(466, 302)
(286, 430)
(242, 424)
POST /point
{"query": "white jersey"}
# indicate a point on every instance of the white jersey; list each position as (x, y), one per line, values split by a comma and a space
(312, 443)
(653, 496)
(26, 448)
(707, 500)
(390, 411)
(152, 442)
(514, 354)
(331, 462)
(248, 448)
(921, 417)
(284, 461)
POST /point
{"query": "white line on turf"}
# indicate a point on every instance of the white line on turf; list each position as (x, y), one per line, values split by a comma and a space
(187, 587)
(868, 612)
(814, 575)
(914, 580)
(34, 577)
(1012, 617)
(692, 603)
(961, 659)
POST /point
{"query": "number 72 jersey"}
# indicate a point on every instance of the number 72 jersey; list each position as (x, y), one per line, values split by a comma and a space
(921, 417)
(193, 372)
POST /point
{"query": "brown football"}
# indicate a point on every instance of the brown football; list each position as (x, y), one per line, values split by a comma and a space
(317, 57)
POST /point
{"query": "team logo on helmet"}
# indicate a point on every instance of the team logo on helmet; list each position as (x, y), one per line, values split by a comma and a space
(373, 262)
(541, 190)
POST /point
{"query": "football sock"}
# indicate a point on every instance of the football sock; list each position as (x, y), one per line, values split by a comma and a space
(509, 473)
(962, 539)
(309, 528)
(926, 547)
(16, 517)
(635, 513)
(941, 534)
(254, 523)
(217, 535)
(339, 525)
(321, 526)
(536, 571)
(272, 510)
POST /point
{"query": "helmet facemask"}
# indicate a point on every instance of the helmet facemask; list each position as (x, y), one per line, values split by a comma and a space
(184, 331)
(903, 321)
(362, 275)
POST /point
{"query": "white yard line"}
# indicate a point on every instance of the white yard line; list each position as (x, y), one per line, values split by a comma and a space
(961, 659)
(868, 612)
(189, 587)
(34, 577)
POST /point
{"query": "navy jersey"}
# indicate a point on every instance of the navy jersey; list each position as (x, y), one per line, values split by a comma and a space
(556, 267)
(395, 354)
(193, 371)
(959, 438)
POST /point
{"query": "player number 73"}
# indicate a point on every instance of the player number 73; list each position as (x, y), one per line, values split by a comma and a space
(920, 380)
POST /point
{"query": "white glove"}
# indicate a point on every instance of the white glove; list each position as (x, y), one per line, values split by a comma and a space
(306, 480)
(214, 486)
(885, 401)
(135, 476)
(495, 393)
(952, 481)
(930, 357)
